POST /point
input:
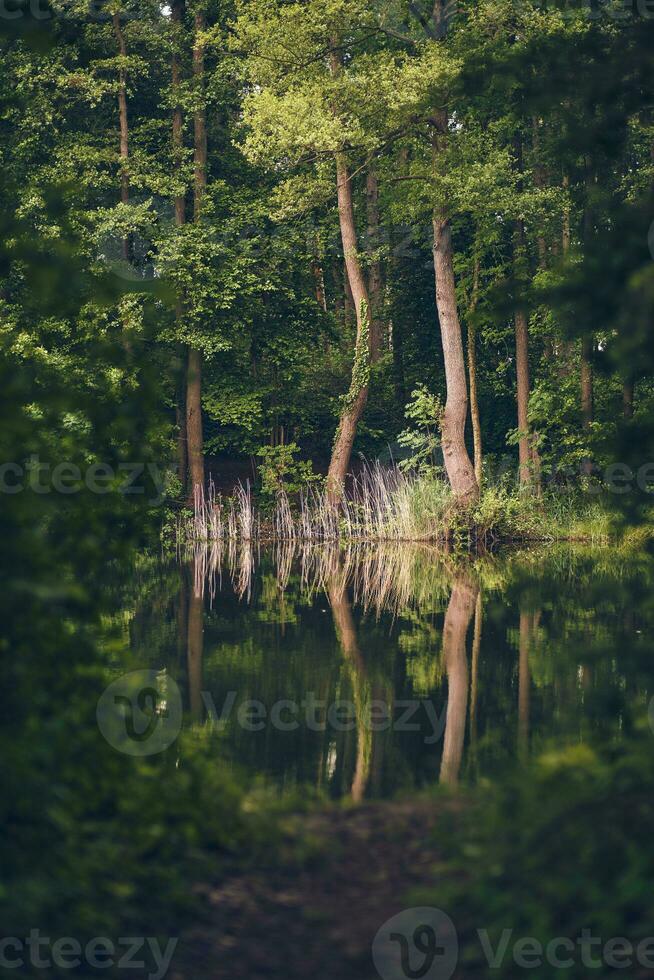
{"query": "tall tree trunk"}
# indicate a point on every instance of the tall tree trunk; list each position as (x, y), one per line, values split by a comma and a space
(375, 281)
(587, 341)
(460, 610)
(472, 373)
(180, 219)
(357, 396)
(587, 394)
(527, 452)
(540, 181)
(194, 371)
(124, 125)
(460, 471)
(199, 117)
(318, 274)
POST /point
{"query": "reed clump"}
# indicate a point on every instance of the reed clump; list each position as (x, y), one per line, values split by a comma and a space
(383, 504)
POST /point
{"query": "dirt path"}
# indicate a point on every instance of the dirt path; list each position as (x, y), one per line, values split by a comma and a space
(317, 920)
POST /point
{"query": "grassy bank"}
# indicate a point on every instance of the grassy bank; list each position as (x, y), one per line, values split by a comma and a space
(390, 505)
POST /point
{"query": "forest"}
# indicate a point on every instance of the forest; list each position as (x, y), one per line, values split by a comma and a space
(326, 476)
(347, 231)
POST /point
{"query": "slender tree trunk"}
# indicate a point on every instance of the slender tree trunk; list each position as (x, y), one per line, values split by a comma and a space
(587, 394)
(460, 470)
(527, 452)
(124, 125)
(460, 610)
(199, 117)
(375, 280)
(319, 275)
(472, 373)
(178, 132)
(180, 220)
(587, 341)
(358, 394)
(540, 180)
(194, 434)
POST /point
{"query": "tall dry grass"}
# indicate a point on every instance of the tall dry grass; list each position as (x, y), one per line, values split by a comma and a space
(381, 504)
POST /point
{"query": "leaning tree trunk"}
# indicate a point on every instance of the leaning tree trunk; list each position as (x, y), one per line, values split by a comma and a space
(124, 125)
(194, 371)
(357, 396)
(460, 471)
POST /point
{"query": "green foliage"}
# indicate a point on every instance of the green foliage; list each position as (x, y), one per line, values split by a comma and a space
(422, 440)
(280, 469)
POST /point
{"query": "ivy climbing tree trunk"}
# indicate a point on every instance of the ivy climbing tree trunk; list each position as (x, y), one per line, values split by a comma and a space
(123, 120)
(357, 396)
(194, 370)
(460, 471)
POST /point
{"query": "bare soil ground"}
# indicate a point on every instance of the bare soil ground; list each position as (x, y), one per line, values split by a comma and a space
(315, 919)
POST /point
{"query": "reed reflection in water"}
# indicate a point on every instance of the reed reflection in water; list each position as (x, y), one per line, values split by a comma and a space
(400, 631)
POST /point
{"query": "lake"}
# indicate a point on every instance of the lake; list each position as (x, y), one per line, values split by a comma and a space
(378, 671)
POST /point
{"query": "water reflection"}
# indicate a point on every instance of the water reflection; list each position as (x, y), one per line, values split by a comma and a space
(451, 672)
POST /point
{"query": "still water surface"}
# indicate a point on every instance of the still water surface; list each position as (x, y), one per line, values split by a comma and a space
(387, 670)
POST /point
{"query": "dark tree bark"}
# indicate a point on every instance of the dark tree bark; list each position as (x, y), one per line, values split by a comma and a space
(472, 374)
(527, 452)
(587, 393)
(587, 341)
(460, 610)
(540, 180)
